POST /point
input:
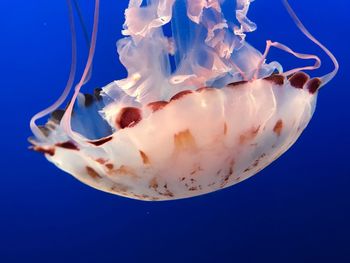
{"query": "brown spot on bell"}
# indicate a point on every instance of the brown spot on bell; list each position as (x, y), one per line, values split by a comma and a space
(144, 157)
(125, 170)
(184, 141)
(298, 80)
(153, 183)
(68, 145)
(202, 89)
(110, 166)
(313, 85)
(157, 105)
(249, 135)
(50, 151)
(278, 127)
(128, 117)
(276, 79)
(225, 128)
(181, 94)
(238, 83)
(101, 141)
(101, 161)
(92, 173)
(119, 188)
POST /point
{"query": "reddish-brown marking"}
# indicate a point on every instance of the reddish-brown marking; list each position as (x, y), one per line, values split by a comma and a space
(92, 173)
(201, 89)
(49, 151)
(157, 105)
(167, 193)
(142, 197)
(256, 163)
(225, 128)
(184, 141)
(181, 94)
(238, 83)
(101, 161)
(278, 127)
(153, 183)
(110, 166)
(228, 175)
(276, 79)
(313, 85)
(298, 80)
(117, 187)
(249, 135)
(128, 117)
(196, 169)
(67, 145)
(144, 157)
(101, 141)
(125, 170)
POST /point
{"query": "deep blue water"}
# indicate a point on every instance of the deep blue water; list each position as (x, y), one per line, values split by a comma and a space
(296, 210)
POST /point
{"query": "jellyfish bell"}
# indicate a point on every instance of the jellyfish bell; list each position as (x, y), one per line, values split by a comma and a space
(216, 118)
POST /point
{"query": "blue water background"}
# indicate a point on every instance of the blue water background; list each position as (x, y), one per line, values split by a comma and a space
(296, 210)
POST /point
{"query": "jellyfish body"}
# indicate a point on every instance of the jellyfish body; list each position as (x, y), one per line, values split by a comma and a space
(218, 118)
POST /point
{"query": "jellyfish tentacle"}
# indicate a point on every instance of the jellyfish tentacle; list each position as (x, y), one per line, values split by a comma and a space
(266, 52)
(35, 129)
(328, 77)
(283, 47)
(85, 32)
(298, 55)
(66, 120)
(82, 23)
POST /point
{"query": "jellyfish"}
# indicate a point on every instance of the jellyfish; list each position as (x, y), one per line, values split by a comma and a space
(199, 110)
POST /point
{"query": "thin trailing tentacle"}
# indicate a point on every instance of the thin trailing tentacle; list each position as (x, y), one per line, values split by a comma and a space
(263, 59)
(278, 45)
(82, 23)
(328, 77)
(298, 55)
(85, 32)
(66, 120)
(36, 131)
(324, 79)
